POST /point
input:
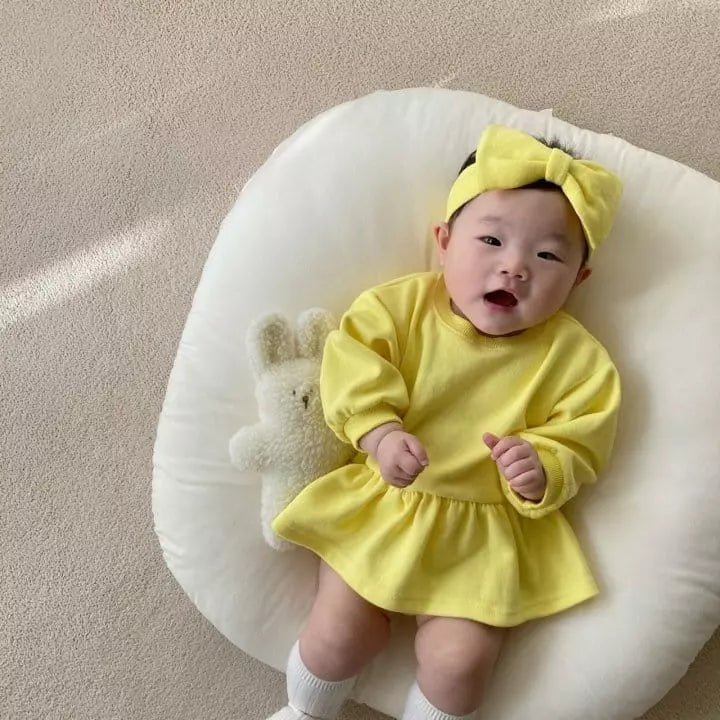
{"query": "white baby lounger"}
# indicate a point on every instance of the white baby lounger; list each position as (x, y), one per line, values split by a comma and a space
(348, 202)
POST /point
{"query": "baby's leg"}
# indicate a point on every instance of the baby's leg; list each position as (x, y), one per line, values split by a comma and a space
(344, 631)
(343, 634)
(455, 661)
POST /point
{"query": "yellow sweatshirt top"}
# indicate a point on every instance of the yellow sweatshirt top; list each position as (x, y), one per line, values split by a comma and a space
(458, 541)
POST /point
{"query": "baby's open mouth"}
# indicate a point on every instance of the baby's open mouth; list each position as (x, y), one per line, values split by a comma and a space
(503, 298)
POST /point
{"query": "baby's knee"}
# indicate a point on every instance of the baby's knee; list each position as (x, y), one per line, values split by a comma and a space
(344, 638)
(452, 661)
(456, 656)
(339, 647)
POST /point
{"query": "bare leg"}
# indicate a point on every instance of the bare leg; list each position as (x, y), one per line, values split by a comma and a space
(344, 631)
(455, 660)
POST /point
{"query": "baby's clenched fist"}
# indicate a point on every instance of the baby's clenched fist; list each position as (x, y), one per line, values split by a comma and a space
(401, 458)
(520, 465)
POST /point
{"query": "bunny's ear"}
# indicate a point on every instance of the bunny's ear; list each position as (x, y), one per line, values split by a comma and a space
(269, 342)
(313, 327)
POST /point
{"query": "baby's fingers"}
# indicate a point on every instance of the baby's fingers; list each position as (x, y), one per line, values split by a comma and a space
(518, 453)
(416, 449)
(400, 477)
(400, 480)
(409, 465)
(529, 485)
(505, 445)
(518, 468)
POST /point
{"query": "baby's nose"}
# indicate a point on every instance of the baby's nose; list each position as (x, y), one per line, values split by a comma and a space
(515, 267)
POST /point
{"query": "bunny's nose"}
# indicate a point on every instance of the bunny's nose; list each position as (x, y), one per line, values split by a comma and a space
(306, 400)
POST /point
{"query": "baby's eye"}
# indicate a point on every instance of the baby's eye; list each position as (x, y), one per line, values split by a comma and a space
(549, 256)
(294, 393)
(489, 240)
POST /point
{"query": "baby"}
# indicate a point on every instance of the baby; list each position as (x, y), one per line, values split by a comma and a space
(478, 407)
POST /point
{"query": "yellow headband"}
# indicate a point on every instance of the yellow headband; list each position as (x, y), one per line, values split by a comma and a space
(507, 158)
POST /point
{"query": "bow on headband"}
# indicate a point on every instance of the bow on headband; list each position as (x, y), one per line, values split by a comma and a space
(507, 158)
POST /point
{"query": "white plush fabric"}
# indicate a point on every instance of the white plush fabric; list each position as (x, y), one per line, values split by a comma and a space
(348, 202)
(291, 445)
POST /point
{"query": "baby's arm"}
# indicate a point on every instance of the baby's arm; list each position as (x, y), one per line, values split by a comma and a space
(360, 384)
(363, 391)
(575, 442)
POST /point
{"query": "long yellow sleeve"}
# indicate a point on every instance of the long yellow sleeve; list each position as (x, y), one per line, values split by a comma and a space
(360, 384)
(575, 442)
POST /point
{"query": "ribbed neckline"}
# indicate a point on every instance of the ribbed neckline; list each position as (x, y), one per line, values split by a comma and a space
(461, 325)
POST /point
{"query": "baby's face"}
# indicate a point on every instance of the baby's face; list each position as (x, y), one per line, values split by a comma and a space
(512, 258)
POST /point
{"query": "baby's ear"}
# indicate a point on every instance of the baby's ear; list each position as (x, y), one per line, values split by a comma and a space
(583, 274)
(269, 342)
(313, 327)
(441, 233)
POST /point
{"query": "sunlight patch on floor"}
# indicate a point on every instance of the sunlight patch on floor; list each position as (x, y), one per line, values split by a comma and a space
(618, 9)
(76, 275)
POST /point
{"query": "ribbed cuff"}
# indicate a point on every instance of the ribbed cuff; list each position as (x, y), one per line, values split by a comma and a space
(418, 707)
(322, 699)
(357, 426)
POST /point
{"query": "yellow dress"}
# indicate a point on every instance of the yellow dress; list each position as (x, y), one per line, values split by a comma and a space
(458, 542)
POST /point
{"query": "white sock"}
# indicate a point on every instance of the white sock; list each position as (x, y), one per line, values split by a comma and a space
(418, 707)
(309, 697)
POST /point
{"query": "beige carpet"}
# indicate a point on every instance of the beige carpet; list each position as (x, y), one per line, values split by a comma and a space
(127, 130)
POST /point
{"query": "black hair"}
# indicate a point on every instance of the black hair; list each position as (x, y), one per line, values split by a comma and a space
(536, 185)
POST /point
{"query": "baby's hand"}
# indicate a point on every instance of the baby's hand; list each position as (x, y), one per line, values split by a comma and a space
(401, 457)
(520, 465)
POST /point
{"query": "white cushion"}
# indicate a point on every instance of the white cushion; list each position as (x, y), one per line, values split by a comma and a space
(348, 202)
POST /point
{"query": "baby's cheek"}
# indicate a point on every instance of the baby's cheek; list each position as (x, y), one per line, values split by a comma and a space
(556, 296)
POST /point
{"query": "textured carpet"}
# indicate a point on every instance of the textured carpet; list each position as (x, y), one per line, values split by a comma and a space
(126, 132)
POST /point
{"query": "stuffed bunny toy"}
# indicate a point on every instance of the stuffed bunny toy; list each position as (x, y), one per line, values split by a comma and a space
(291, 445)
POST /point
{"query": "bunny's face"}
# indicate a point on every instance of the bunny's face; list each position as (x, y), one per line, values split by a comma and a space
(287, 368)
(289, 394)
